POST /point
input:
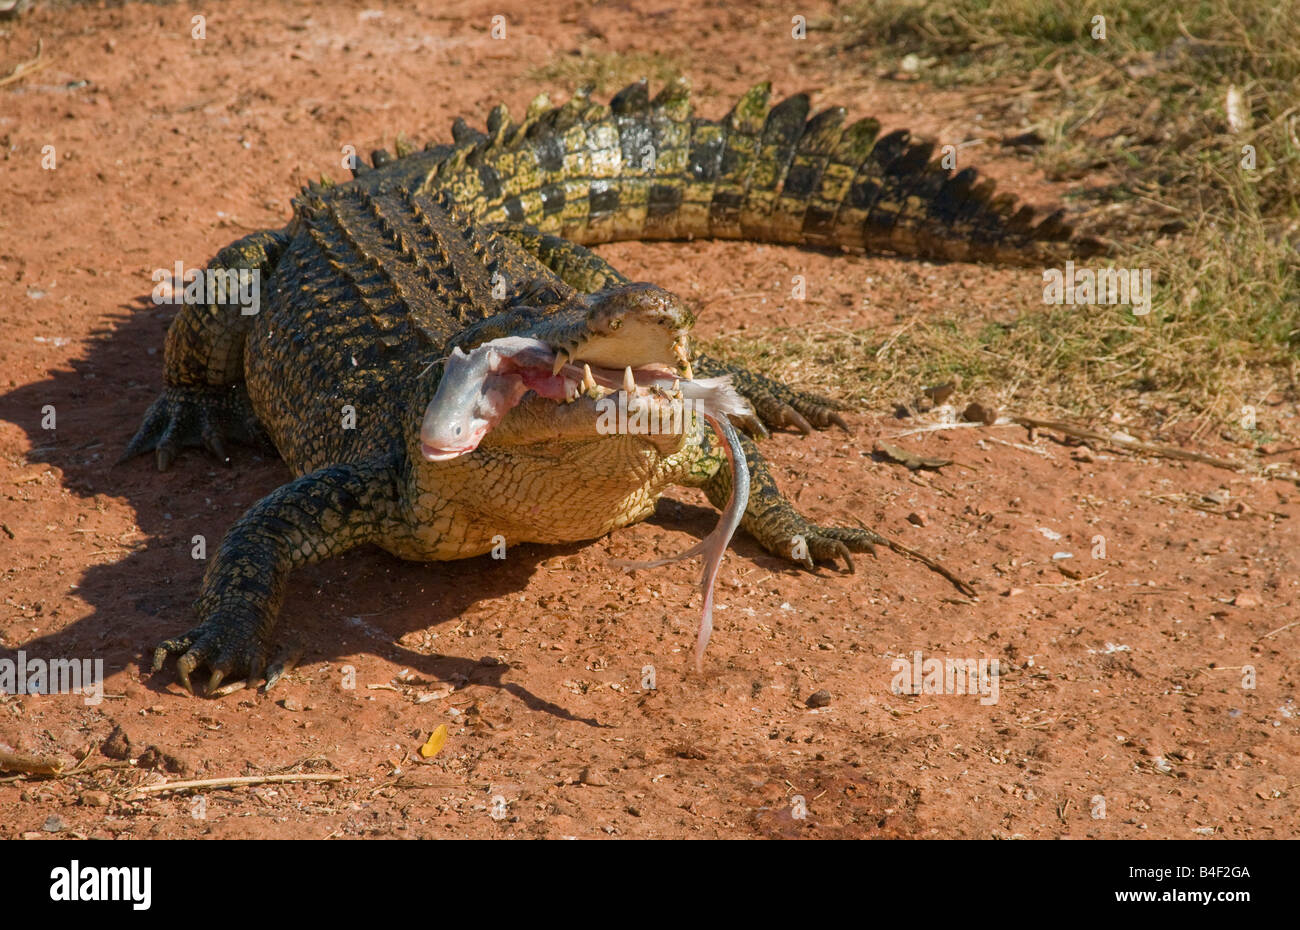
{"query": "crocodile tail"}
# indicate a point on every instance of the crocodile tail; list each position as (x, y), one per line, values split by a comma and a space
(643, 168)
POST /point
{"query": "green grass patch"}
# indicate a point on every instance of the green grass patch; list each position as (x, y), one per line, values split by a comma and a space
(1169, 107)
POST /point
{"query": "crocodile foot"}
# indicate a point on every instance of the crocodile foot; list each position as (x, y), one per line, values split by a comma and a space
(229, 645)
(776, 405)
(192, 417)
(809, 544)
(806, 544)
(799, 410)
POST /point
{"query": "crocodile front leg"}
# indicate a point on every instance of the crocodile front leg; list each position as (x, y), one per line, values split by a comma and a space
(773, 521)
(783, 531)
(319, 515)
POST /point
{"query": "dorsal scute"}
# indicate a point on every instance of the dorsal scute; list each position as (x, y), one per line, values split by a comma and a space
(785, 121)
(823, 131)
(633, 99)
(750, 112)
(463, 133)
(673, 100)
(498, 119)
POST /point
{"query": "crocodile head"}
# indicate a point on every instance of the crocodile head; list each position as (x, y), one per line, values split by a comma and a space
(561, 370)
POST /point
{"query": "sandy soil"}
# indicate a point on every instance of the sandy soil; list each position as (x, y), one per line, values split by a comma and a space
(1122, 709)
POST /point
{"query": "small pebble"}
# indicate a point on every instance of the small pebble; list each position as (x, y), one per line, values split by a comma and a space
(95, 799)
(819, 698)
(978, 413)
(593, 777)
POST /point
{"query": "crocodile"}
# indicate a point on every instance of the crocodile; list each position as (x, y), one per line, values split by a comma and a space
(433, 339)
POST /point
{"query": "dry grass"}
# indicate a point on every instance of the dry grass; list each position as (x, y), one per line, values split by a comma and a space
(1148, 108)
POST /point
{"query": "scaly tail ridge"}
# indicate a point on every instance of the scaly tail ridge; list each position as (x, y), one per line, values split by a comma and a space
(648, 168)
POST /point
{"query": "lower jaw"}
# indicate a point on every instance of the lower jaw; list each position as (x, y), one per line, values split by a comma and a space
(560, 445)
(538, 420)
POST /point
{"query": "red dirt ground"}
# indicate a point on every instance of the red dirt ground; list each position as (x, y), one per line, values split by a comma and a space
(1122, 711)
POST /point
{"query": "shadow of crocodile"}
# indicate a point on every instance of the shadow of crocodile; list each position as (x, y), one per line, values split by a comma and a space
(365, 601)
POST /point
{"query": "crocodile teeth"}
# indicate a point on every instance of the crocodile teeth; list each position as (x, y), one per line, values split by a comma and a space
(561, 359)
(629, 388)
(677, 387)
(588, 381)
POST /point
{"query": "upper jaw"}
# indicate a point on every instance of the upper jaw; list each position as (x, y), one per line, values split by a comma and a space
(636, 325)
(636, 351)
(630, 325)
(582, 381)
(632, 339)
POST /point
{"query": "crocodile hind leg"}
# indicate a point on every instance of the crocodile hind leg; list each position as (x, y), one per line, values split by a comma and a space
(319, 515)
(204, 402)
(772, 520)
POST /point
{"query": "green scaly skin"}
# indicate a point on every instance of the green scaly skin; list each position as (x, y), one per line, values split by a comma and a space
(375, 280)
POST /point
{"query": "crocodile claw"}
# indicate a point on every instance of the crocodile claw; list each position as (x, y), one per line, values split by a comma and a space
(802, 411)
(831, 544)
(226, 644)
(776, 405)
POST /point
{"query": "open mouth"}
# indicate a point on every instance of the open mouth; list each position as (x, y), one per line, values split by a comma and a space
(479, 388)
